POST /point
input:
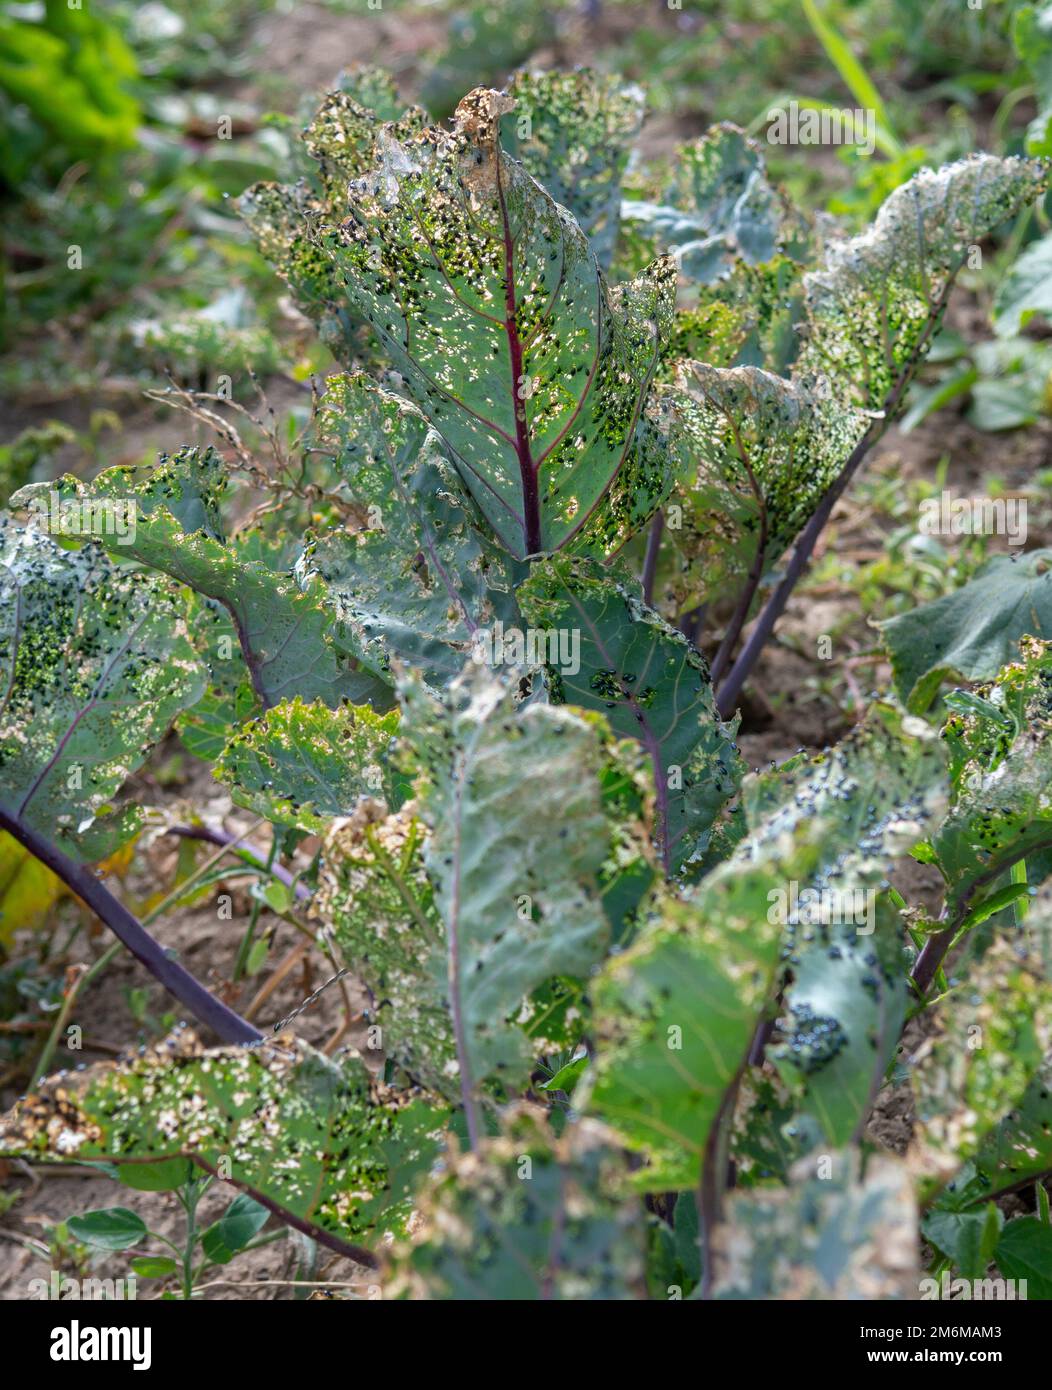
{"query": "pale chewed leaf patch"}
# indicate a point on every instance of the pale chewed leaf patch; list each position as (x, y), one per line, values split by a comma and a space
(96, 664)
(528, 1217)
(422, 579)
(831, 1236)
(518, 839)
(650, 684)
(758, 454)
(286, 633)
(320, 1140)
(305, 764)
(872, 307)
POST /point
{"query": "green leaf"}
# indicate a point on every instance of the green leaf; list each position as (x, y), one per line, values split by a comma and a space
(166, 1176)
(873, 307)
(831, 1235)
(1003, 807)
(852, 73)
(375, 894)
(566, 1078)
(337, 146)
(651, 686)
(315, 1139)
(759, 453)
(675, 1015)
(926, 400)
(96, 664)
(112, 1228)
(302, 765)
(420, 581)
(1005, 405)
(153, 1266)
(863, 803)
(235, 1228)
(518, 836)
(341, 136)
(1032, 35)
(493, 308)
(992, 1036)
(965, 1237)
(972, 633)
(1017, 1148)
(286, 635)
(719, 209)
(573, 131)
(1024, 1253)
(770, 1134)
(526, 1217)
(872, 796)
(208, 726)
(1026, 290)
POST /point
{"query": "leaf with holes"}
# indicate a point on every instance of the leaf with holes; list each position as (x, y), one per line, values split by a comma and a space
(527, 1217)
(675, 1015)
(759, 454)
(874, 306)
(518, 838)
(651, 686)
(421, 581)
(97, 663)
(719, 209)
(305, 764)
(492, 306)
(573, 132)
(311, 1140)
(285, 633)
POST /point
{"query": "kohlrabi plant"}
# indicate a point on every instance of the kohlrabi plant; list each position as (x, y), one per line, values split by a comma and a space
(631, 1012)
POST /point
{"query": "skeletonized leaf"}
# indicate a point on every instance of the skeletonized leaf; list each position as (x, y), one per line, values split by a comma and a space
(327, 1145)
(527, 1216)
(518, 837)
(993, 1036)
(865, 802)
(304, 764)
(719, 209)
(760, 453)
(337, 146)
(973, 632)
(875, 793)
(1002, 810)
(341, 139)
(421, 581)
(874, 305)
(96, 664)
(829, 1235)
(378, 907)
(492, 306)
(573, 132)
(651, 686)
(285, 633)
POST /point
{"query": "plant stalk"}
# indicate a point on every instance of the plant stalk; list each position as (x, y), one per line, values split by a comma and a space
(228, 1026)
